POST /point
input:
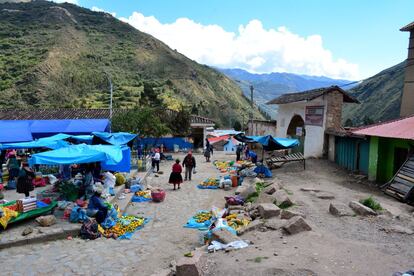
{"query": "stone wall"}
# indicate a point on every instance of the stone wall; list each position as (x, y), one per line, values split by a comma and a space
(334, 110)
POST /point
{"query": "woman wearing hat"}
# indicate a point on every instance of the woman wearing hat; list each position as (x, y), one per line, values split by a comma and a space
(96, 206)
(24, 180)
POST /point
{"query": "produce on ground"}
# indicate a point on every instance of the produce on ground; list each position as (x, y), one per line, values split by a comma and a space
(125, 224)
(203, 216)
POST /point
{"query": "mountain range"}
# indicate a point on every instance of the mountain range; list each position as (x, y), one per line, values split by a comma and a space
(271, 85)
(62, 55)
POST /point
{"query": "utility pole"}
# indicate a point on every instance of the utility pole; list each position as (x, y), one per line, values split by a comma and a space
(251, 107)
(110, 99)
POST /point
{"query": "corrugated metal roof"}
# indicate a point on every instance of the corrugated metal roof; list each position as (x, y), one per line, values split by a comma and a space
(402, 128)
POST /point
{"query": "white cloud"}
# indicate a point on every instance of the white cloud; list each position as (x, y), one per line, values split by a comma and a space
(102, 10)
(76, 2)
(252, 48)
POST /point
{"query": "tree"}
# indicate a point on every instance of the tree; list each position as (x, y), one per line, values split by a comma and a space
(349, 123)
(237, 126)
(142, 120)
(179, 122)
(367, 121)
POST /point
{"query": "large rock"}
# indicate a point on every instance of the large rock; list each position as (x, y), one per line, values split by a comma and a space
(224, 236)
(282, 198)
(265, 198)
(325, 195)
(268, 210)
(275, 223)
(46, 220)
(245, 190)
(191, 266)
(296, 225)
(288, 214)
(398, 229)
(254, 225)
(270, 190)
(310, 189)
(361, 209)
(339, 209)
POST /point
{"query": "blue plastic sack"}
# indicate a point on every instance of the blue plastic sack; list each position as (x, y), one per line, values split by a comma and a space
(108, 223)
(136, 198)
(135, 188)
(78, 214)
(11, 185)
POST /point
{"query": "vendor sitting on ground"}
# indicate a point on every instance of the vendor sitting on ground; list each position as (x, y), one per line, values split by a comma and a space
(253, 156)
(96, 206)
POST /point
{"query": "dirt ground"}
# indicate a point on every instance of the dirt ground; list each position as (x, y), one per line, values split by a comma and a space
(350, 245)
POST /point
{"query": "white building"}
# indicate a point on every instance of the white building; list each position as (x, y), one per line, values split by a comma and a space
(307, 115)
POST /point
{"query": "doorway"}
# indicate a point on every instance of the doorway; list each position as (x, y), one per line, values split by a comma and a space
(400, 155)
(296, 130)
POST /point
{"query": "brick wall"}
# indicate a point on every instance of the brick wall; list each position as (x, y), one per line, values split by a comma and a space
(334, 110)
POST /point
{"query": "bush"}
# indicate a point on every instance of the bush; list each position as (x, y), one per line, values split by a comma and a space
(370, 202)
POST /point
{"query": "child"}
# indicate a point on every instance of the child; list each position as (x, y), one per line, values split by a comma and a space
(175, 176)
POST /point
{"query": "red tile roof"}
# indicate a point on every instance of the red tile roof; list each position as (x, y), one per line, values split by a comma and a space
(402, 128)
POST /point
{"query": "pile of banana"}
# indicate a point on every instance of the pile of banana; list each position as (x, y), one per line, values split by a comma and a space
(235, 222)
(210, 182)
(203, 216)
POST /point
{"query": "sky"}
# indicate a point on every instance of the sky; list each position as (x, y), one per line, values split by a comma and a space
(347, 39)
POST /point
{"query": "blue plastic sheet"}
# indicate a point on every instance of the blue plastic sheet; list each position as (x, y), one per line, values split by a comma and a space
(207, 187)
(135, 188)
(128, 235)
(192, 223)
(263, 170)
(15, 131)
(41, 143)
(78, 154)
(116, 138)
(78, 214)
(136, 198)
(269, 142)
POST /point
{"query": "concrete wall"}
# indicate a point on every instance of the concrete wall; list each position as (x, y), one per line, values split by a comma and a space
(407, 102)
(260, 128)
(315, 135)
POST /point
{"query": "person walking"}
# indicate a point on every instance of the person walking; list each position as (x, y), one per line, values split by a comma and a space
(189, 163)
(24, 180)
(175, 176)
(157, 158)
(239, 150)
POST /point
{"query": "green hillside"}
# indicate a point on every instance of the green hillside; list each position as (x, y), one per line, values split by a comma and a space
(56, 55)
(380, 97)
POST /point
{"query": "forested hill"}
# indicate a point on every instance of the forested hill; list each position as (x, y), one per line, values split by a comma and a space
(59, 55)
(380, 97)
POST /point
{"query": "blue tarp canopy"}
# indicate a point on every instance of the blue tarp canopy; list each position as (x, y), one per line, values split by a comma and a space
(15, 131)
(77, 154)
(269, 142)
(41, 143)
(116, 138)
(12, 131)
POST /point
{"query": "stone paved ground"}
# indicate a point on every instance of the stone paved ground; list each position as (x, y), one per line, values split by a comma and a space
(162, 240)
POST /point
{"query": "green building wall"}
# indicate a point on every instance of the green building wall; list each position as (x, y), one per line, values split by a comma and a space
(386, 148)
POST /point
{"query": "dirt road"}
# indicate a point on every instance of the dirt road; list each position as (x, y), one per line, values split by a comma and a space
(336, 246)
